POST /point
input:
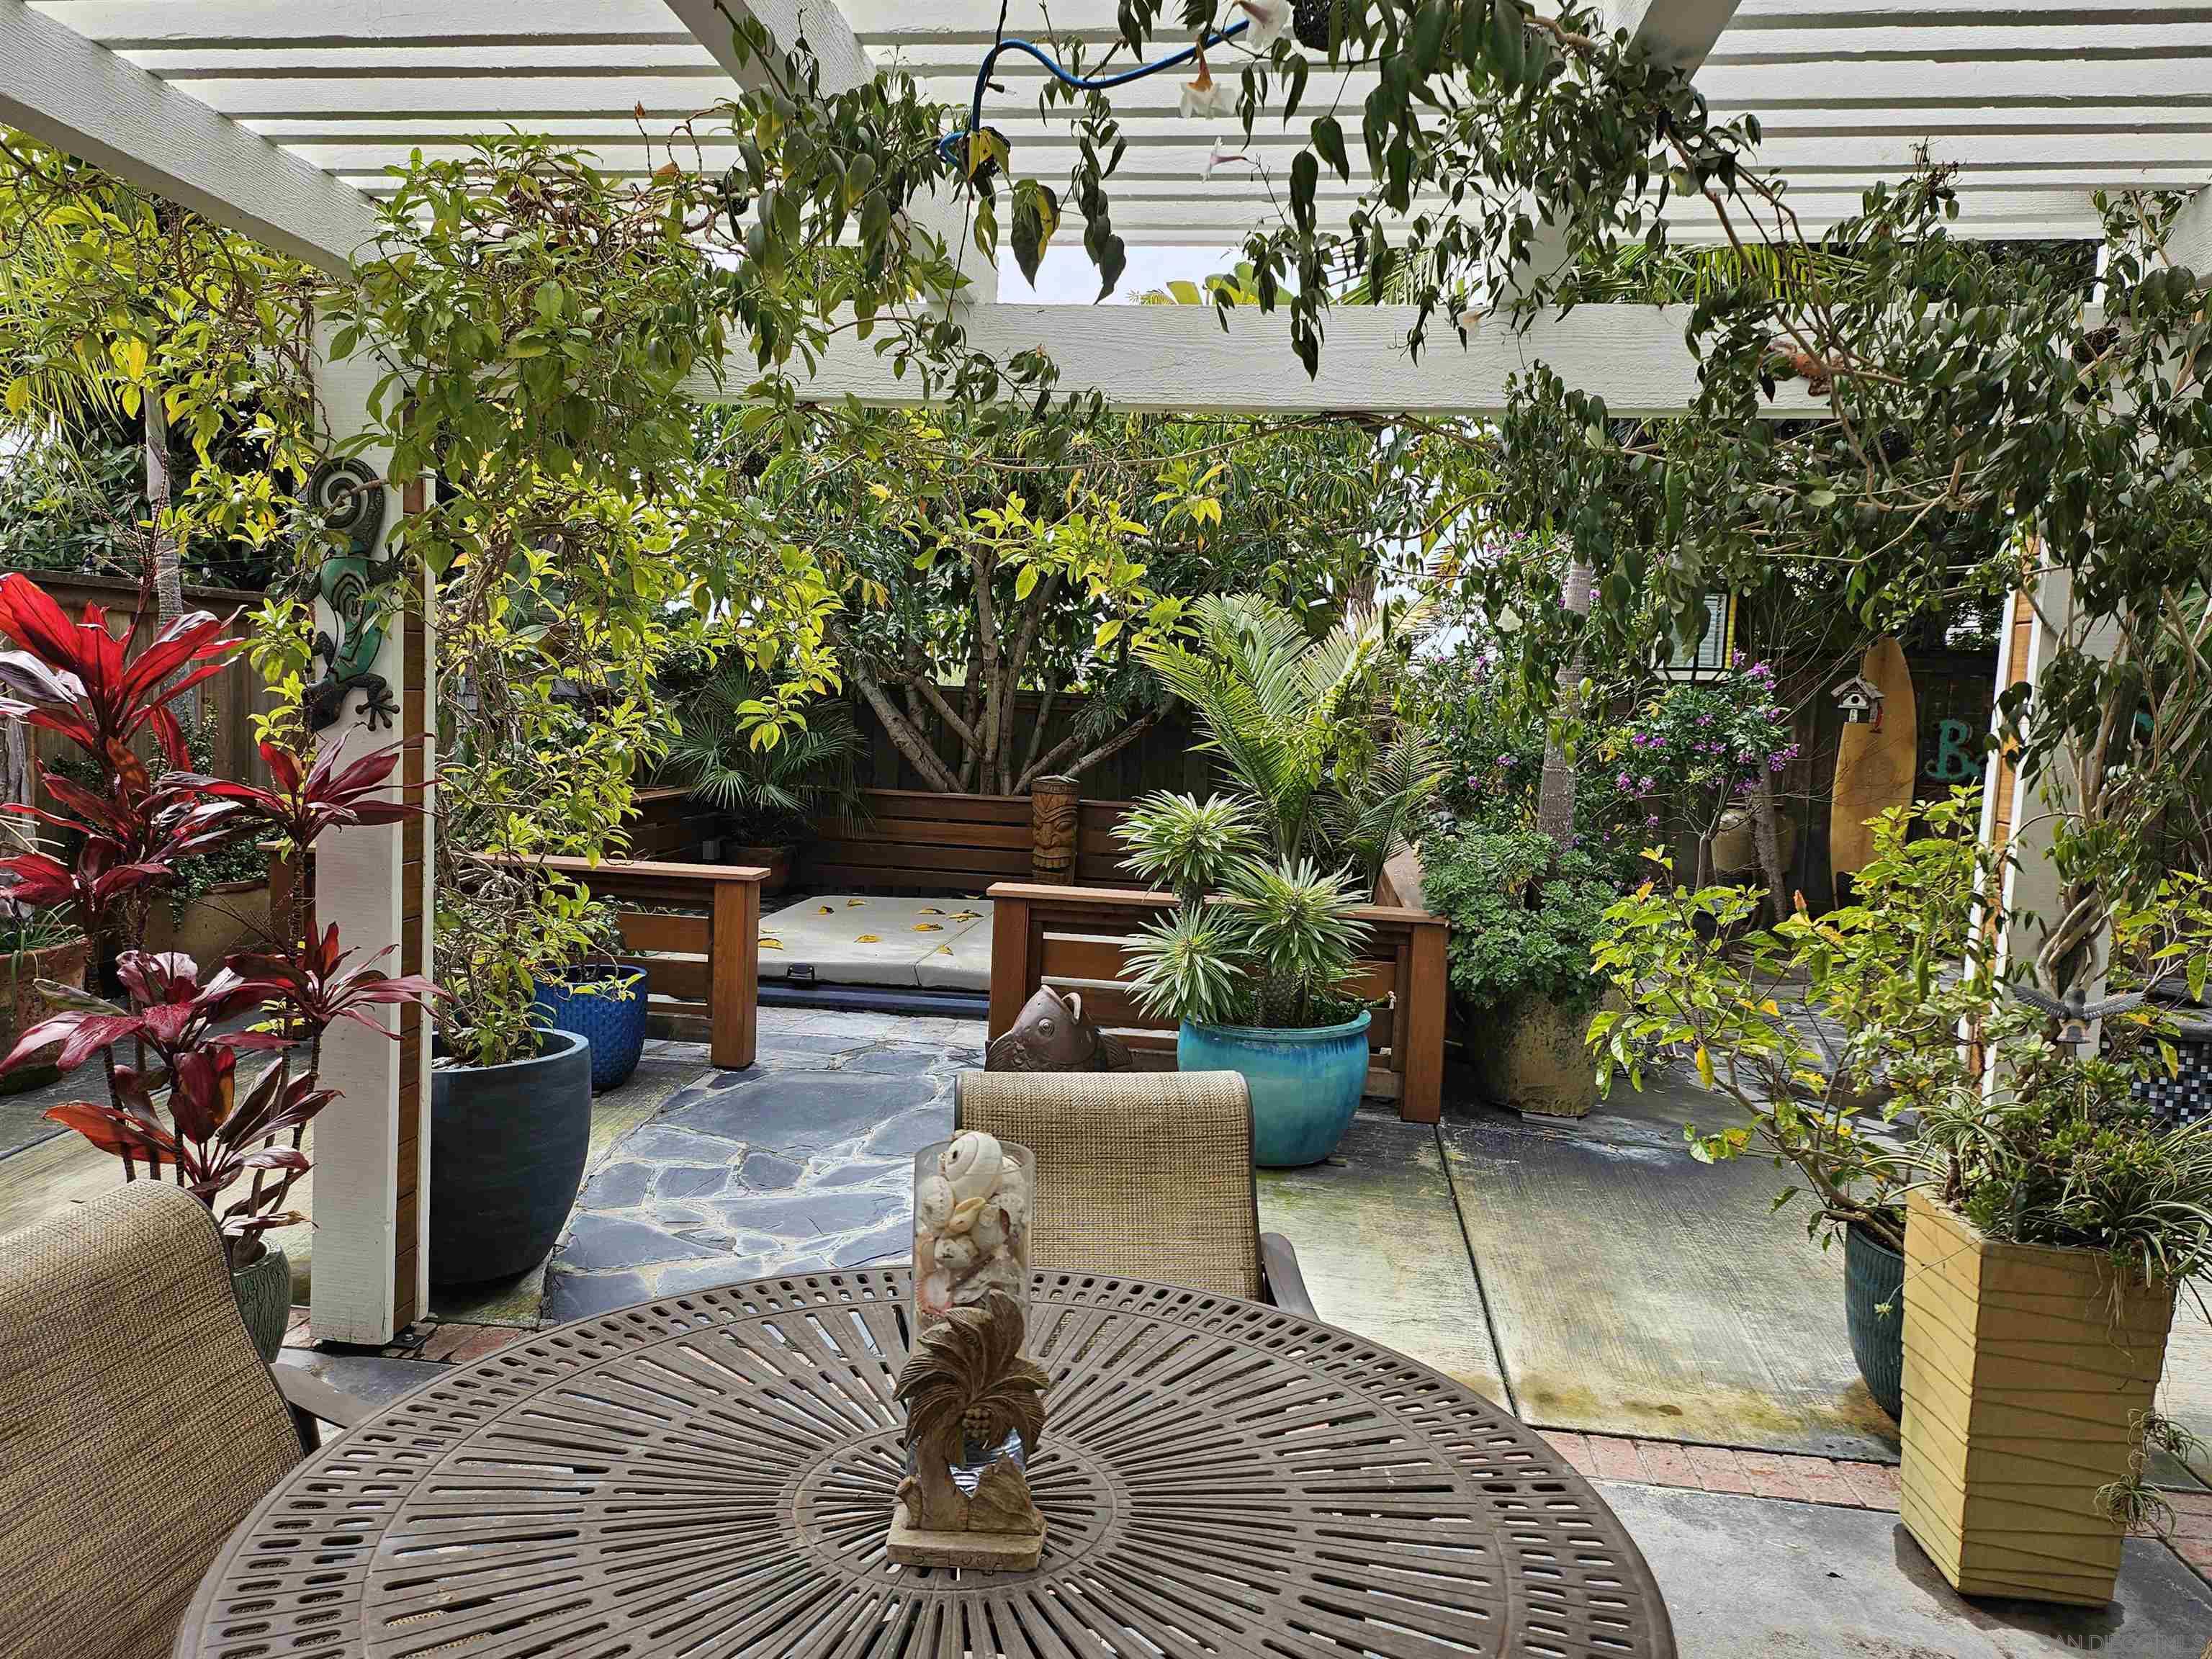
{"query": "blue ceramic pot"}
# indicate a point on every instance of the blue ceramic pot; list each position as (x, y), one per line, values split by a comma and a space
(614, 1026)
(1306, 1084)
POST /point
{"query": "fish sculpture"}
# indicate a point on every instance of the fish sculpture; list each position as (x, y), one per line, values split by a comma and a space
(1051, 1034)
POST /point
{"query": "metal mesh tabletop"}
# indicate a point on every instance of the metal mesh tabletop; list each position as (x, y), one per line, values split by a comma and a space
(712, 1474)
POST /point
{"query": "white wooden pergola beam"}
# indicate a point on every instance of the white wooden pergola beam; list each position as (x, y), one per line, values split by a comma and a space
(2189, 240)
(1180, 359)
(81, 98)
(844, 65)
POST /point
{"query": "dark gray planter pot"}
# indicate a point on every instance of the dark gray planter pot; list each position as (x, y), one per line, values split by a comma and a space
(507, 1145)
(1873, 1313)
(264, 1299)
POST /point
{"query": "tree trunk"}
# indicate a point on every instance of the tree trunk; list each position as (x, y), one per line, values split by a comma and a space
(1766, 838)
(165, 574)
(909, 742)
(1555, 799)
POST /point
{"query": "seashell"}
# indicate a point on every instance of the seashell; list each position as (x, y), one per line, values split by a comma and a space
(925, 1252)
(1014, 1195)
(933, 1294)
(957, 1256)
(1000, 1273)
(932, 1203)
(963, 1214)
(855, 903)
(865, 938)
(989, 1228)
(972, 1163)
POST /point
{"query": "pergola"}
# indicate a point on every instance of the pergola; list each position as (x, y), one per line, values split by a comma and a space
(277, 117)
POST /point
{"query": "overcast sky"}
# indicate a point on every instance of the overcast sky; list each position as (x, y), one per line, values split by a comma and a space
(1067, 277)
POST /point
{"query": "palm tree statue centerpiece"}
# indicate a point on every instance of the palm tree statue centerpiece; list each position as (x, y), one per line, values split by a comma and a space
(967, 1391)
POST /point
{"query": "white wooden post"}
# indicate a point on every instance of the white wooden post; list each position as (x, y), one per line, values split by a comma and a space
(371, 1260)
(2021, 809)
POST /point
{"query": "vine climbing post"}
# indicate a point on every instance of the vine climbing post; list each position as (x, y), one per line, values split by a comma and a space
(372, 1189)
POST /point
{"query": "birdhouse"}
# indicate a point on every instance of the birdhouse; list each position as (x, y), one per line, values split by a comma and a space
(1860, 700)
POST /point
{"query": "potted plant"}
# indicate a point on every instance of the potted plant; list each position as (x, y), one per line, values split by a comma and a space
(600, 999)
(1885, 975)
(219, 901)
(1524, 917)
(1253, 967)
(40, 946)
(174, 1106)
(510, 1098)
(770, 783)
(2042, 1215)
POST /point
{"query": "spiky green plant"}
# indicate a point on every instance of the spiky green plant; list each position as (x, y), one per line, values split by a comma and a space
(1274, 705)
(1187, 846)
(771, 781)
(1273, 950)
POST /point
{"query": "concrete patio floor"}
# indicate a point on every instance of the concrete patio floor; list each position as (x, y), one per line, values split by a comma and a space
(1681, 1344)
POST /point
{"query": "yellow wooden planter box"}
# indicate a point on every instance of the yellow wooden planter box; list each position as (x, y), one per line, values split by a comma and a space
(2021, 1376)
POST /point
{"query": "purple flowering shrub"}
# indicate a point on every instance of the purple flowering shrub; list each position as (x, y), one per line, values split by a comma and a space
(1491, 735)
(1696, 749)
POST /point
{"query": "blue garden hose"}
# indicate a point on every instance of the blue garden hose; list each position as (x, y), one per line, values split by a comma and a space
(947, 145)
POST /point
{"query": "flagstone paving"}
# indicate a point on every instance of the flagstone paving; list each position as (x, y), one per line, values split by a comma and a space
(800, 1163)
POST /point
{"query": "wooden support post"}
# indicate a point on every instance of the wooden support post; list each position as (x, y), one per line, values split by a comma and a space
(1422, 1064)
(733, 956)
(1012, 972)
(371, 1269)
(1055, 806)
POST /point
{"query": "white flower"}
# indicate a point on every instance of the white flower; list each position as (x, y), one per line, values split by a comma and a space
(1270, 20)
(1221, 156)
(1206, 95)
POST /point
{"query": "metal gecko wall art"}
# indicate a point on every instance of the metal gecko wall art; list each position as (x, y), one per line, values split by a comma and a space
(348, 498)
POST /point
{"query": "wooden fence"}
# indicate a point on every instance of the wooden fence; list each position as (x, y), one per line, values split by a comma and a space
(914, 841)
(222, 706)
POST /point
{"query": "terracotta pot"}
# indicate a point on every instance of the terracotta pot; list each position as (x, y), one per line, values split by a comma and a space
(1531, 1057)
(776, 860)
(2023, 1364)
(22, 1006)
(226, 916)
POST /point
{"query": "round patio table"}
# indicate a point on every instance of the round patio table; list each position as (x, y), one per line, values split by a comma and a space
(713, 1474)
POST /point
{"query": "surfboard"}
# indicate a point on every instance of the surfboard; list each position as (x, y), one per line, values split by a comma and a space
(1874, 764)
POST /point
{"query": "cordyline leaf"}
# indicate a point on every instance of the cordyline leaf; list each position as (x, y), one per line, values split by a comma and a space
(120, 1133)
(81, 1035)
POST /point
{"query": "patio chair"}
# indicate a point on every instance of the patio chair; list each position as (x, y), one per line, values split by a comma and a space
(137, 1424)
(1143, 1173)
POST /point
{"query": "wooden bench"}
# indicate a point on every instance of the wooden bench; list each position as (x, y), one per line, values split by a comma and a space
(1074, 937)
(704, 968)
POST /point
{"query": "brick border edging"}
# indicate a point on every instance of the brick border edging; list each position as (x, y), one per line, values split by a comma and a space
(1846, 1483)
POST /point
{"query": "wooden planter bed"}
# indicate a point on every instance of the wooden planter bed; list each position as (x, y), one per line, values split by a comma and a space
(1073, 938)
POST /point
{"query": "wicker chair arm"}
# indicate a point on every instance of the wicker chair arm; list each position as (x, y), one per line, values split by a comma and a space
(1286, 1285)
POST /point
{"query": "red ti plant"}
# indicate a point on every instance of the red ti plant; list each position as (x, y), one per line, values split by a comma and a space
(102, 692)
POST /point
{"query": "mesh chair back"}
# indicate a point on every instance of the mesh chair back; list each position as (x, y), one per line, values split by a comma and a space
(1147, 1174)
(137, 1424)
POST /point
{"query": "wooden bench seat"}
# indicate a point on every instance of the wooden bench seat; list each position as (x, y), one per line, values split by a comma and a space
(1076, 937)
(694, 927)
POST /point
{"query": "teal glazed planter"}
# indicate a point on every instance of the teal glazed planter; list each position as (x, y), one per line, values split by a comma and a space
(1306, 1084)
